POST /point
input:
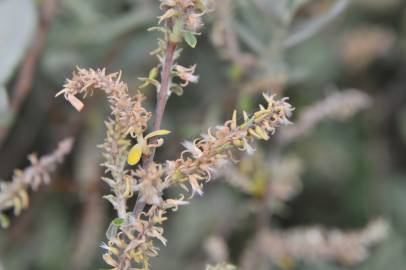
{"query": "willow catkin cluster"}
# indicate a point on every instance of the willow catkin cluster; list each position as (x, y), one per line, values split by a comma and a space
(128, 119)
(181, 20)
(278, 179)
(14, 194)
(134, 239)
(222, 266)
(187, 13)
(127, 111)
(204, 155)
(337, 106)
(348, 248)
(362, 46)
(133, 236)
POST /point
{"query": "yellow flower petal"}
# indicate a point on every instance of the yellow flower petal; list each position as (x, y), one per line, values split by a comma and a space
(234, 120)
(135, 154)
(157, 133)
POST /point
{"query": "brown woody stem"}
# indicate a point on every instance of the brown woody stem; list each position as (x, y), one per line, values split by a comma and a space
(162, 99)
(163, 93)
(25, 75)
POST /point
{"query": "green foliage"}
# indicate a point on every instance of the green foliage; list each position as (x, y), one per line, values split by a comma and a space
(190, 39)
(15, 40)
(118, 221)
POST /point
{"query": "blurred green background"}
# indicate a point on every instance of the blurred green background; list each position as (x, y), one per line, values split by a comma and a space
(353, 171)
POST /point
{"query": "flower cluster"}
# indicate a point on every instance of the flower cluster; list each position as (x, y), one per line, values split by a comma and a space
(133, 235)
(348, 248)
(129, 234)
(128, 113)
(222, 266)
(167, 54)
(131, 239)
(363, 45)
(185, 14)
(151, 185)
(181, 20)
(279, 180)
(212, 150)
(337, 106)
(14, 194)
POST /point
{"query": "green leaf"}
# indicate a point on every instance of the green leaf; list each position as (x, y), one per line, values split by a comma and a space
(235, 73)
(112, 231)
(5, 114)
(190, 39)
(21, 14)
(4, 221)
(118, 221)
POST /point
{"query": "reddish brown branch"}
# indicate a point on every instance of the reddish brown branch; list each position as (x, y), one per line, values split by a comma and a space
(162, 99)
(26, 73)
(163, 93)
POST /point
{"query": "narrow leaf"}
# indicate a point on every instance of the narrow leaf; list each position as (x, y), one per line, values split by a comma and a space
(118, 221)
(157, 133)
(15, 40)
(5, 111)
(190, 39)
(4, 221)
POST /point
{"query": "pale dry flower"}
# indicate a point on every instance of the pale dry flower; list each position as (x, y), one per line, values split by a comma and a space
(337, 106)
(133, 235)
(132, 241)
(204, 155)
(216, 248)
(361, 46)
(348, 248)
(127, 111)
(14, 194)
(221, 266)
(278, 179)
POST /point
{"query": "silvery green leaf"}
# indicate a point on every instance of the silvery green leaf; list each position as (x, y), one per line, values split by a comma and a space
(4, 221)
(17, 25)
(112, 231)
(4, 106)
(308, 29)
(190, 39)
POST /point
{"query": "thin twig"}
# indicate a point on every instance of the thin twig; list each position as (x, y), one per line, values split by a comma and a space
(26, 73)
(312, 27)
(162, 100)
(163, 93)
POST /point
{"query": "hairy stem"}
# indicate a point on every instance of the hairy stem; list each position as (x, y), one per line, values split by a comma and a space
(162, 99)
(163, 93)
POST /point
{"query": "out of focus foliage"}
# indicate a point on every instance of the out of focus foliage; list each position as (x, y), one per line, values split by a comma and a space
(343, 167)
